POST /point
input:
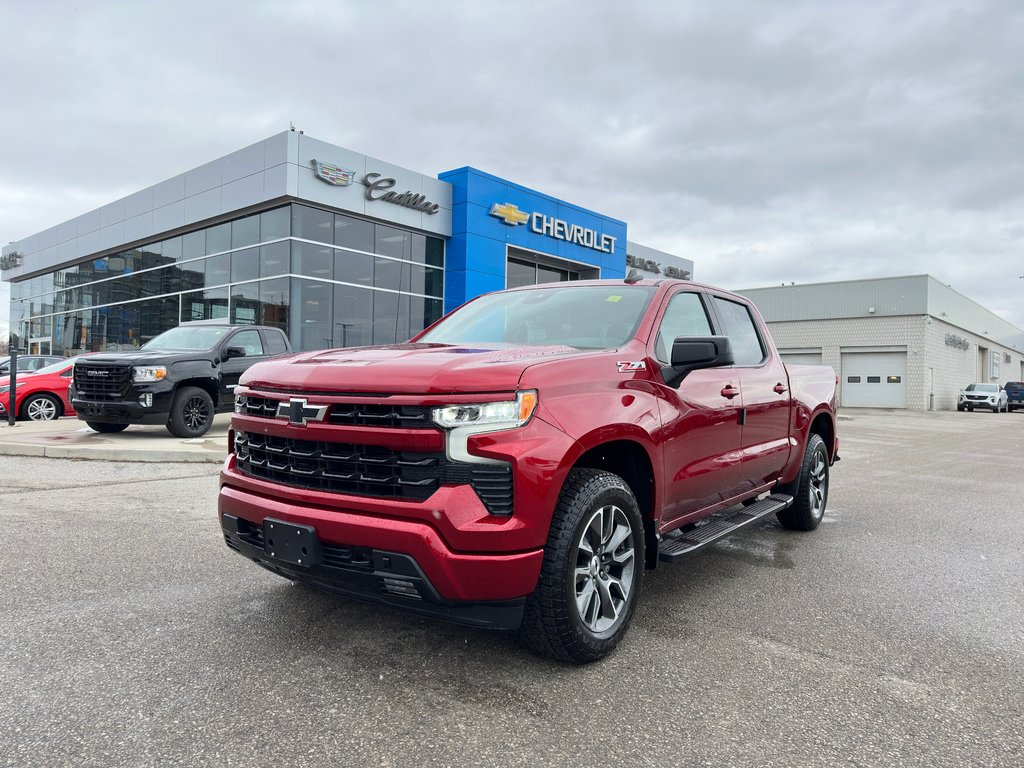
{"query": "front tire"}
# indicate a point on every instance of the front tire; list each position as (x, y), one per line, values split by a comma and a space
(41, 407)
(99, 426)
(191, 413)
(809, 490)
(592, 571)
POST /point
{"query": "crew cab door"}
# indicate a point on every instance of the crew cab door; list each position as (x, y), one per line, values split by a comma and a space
(700, 418)
(766, 399)
(231, 370)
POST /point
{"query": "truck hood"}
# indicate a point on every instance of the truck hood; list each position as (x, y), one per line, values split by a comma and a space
(435, 369)
(145, 358)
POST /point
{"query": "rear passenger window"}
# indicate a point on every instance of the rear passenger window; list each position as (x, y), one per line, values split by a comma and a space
(738, 325)
(248, 340)
(275, 343)
(684, 316)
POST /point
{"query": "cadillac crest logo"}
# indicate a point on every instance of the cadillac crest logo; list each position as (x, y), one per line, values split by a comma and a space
(333, 174)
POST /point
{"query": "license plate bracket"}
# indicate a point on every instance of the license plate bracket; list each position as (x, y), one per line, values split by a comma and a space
(295, 544)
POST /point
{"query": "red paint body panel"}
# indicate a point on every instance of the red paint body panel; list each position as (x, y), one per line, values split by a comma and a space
(31, 383)
(722, 435)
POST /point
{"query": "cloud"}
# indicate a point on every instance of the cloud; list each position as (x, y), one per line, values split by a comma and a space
(768, 143)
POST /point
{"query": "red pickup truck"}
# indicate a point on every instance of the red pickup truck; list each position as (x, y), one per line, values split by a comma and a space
(521, 462)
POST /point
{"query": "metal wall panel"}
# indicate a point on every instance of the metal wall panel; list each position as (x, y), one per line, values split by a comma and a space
(880, 297)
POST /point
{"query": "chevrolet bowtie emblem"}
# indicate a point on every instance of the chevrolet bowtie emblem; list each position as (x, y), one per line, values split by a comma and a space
(509, 213)
(298, 411)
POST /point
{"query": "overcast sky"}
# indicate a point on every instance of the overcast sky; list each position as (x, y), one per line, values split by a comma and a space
(768, 142)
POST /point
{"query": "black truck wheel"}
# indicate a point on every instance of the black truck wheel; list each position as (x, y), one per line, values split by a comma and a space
(41, 407)
(191, 413)
(809, 490)
(592, 570)
(99, 426)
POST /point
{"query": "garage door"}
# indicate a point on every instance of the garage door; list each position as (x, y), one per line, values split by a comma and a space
(801, 358)
(874, 379)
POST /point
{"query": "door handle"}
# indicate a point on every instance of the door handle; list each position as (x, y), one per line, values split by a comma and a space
(779, 388)
(729, 391)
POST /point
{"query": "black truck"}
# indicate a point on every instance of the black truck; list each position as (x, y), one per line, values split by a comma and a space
(180, 378)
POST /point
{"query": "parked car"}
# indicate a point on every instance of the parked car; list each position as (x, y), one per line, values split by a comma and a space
(42, 395)
(1014, 394)
(522, 461)
(180, 379)
(988, 396)
(27, 363)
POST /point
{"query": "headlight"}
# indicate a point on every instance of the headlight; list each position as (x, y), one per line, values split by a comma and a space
(239, 403)
(150, 374)
(506, 414)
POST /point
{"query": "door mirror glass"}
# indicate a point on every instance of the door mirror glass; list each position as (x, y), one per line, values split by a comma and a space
(231, 352)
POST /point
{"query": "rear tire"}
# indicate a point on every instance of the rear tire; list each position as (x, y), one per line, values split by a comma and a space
(41, 407)
(191, 414)
(106, 428)
(809, 490)
(592, 570)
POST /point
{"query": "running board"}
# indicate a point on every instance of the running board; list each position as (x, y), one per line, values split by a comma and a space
(676, 547)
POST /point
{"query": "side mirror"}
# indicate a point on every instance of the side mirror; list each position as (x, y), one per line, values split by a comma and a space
(231, 352)
(692, 353)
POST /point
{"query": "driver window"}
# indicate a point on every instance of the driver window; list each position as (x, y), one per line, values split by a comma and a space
(249, 341)
(685, 316)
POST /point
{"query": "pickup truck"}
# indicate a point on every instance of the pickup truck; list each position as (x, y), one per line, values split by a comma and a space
(521, 462)
(180, 378)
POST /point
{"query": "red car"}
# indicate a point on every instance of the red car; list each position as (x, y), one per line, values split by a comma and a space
(42, 395)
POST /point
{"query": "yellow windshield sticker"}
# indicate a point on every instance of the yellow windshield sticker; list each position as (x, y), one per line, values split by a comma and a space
(614, 298)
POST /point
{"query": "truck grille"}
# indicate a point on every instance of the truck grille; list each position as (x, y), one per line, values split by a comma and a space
(102, 382)
(365, 470)
(353, 414)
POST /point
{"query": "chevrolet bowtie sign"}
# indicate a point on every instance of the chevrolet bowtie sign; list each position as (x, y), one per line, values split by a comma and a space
(552, 227)
(298, 411)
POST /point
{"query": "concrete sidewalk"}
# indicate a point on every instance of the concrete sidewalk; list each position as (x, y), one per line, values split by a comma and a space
(70, 438)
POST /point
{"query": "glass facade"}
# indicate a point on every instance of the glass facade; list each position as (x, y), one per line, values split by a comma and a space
(327, 279)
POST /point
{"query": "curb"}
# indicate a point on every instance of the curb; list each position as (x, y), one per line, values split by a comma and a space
(100, 454)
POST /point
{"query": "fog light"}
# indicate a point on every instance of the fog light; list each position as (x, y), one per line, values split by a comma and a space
(146, 400)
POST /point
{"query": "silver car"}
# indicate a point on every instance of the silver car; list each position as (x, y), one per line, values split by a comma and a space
(991, 396)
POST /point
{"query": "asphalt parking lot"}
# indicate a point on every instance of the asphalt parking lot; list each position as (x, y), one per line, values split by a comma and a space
(893, 635)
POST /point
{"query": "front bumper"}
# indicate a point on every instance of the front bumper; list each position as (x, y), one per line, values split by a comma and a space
(129, 409)
(400, 563)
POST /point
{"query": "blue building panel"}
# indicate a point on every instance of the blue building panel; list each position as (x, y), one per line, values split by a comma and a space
(490, 213)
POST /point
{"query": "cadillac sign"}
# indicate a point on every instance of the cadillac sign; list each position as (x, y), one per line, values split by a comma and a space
(333, 174)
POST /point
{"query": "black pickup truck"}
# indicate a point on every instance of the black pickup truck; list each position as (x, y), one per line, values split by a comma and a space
(180, 378)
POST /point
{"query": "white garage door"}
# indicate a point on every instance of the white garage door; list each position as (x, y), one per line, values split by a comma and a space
(874, 379)
(801, 358)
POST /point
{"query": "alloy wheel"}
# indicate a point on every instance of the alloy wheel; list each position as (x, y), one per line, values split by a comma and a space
(604, 569)
(42, 409)
(818, 484)
(195, 413)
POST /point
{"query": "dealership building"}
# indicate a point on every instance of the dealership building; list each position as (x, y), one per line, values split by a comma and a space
(896, 342)
(334, 247)
(340, 249)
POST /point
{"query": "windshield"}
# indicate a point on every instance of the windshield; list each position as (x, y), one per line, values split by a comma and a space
(55, 367)
(186, 337)
(983, 388)
(585, 317)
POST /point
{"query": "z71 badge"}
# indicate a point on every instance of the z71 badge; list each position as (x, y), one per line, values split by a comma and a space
(628, 366)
